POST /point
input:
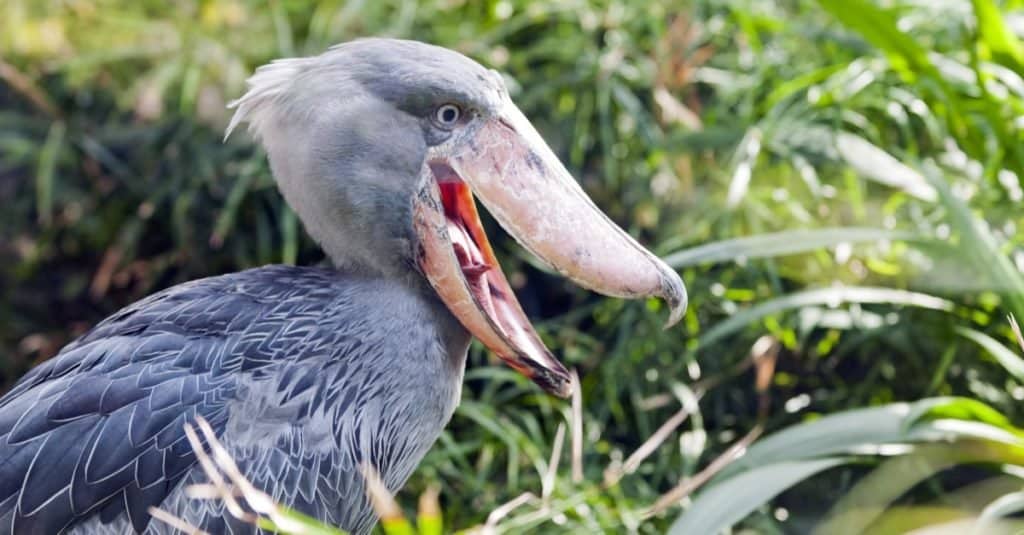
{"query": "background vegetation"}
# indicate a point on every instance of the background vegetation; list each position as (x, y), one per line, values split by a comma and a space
(838, 181)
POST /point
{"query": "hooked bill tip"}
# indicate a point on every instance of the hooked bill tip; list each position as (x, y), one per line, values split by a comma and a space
(673, 291)
(554, 382)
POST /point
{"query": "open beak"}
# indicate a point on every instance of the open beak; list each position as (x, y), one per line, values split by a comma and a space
(529, 192)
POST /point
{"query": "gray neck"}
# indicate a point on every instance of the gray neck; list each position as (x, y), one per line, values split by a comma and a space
(309, 202)
(358, 209)
(353, 239)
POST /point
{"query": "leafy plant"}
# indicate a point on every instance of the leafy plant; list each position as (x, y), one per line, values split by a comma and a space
(837, 181)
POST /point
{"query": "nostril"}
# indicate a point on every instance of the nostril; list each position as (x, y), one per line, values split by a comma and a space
(504, 122)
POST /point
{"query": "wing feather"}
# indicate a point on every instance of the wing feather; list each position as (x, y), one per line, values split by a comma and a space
(287, 356)
(98, 429)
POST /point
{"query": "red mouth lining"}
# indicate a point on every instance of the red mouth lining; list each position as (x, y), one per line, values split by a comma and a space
(467, 251)
(488, 287)
(474, 254)
(464, 232)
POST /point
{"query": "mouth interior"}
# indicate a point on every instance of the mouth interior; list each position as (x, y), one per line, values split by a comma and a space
(480, 268)
(494, 316)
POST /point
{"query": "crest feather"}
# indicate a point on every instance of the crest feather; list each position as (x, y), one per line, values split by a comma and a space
(265, 87)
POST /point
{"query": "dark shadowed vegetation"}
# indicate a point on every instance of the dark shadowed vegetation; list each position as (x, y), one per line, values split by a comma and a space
(838, 181)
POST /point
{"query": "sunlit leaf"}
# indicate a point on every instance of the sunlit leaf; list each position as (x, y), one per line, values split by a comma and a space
(1003, 43)
(982, 248)
(728, 502)
(880, 28)
(779, 244)
(823, 296)
(1005, 505)
(869, 498)
(875, 431)
(876, 164)
(1010, 360)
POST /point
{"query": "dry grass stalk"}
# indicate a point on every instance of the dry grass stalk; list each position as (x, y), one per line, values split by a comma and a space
(550, 476)
(547, 484)
(219, 473)
(688, 485)
(577, 429)
(429, 503)
(227, 484)
(764, 354)
(613, 474)
(175, 522)
(688, 399)
(383, 502)
(673, 110)
(656, 401)
(502, 511)
(23, 84)
(1016, 331)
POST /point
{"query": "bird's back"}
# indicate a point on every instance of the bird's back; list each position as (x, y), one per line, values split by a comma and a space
(303, 373)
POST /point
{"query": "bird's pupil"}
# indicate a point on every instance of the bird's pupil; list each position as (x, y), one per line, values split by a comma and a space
(448, 114)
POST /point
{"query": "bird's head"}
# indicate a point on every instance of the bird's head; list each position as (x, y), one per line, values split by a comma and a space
(380, 146)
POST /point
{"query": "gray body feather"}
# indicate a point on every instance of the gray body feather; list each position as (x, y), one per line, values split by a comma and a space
(304, 373)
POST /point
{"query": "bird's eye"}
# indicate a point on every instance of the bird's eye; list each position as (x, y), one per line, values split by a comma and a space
(448, 114)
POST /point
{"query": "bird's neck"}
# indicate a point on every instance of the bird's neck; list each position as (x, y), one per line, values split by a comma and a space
(358, 228)
(452, 335)
(361, 238)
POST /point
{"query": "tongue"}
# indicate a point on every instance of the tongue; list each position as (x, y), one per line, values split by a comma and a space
(471, 260)
(460, 265)
(474, 267)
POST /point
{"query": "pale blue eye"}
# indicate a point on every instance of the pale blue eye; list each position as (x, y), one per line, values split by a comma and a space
(448, 114)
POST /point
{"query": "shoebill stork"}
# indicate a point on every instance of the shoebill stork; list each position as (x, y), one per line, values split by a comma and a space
(304, 373)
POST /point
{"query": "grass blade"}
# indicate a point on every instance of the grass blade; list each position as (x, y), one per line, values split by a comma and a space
(823, 296)
(779, 244)
(879, 28)
(1008, 359)
(726, 503)
(46, 172)
(876, 164)
(1006, 48)
(862, 431)
(1005, 505)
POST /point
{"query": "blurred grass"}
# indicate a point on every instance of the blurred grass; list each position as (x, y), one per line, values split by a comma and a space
(843, 176)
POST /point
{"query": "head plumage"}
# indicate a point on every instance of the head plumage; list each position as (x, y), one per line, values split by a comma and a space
(268, 85)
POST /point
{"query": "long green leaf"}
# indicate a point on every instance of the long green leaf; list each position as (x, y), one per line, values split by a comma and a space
(879, 27)
(302, 524)
(858, 509)
(1005, 505)
(823, 296)
(981, 247)
(730, 501)
(47, 170)
(957, 408)
(780, 460)
(876, 164)
(1009, 360)
(1003, 43)
(867, 430)
(779, 244)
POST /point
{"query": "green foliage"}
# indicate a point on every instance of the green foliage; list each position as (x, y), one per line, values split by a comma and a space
(972, 431)
(841, 176)
(722, 506)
